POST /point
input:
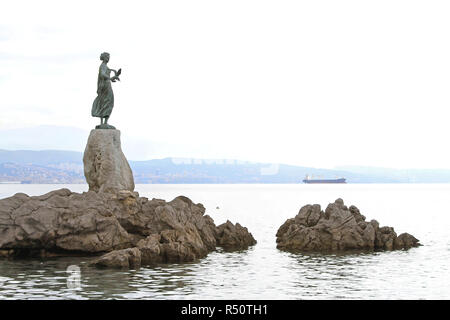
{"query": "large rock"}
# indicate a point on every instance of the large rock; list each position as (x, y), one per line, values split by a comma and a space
(106, 223)
(338, 228)
(60, 221)
(105, 167)
(234, 237)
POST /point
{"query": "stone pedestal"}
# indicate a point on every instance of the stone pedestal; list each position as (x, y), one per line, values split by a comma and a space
(105, 167)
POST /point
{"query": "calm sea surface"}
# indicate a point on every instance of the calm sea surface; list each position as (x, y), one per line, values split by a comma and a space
(263, 272)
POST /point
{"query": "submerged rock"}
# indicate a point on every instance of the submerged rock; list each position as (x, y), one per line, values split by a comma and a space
(91, 223)
(124, 259)
(338, 228)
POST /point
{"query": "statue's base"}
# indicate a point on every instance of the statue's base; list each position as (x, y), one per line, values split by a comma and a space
(104, 126)
(105, 167)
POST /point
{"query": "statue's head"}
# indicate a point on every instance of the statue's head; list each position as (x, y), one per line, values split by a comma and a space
(104, 56)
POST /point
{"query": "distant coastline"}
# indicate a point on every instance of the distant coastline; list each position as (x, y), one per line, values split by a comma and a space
(66, 167)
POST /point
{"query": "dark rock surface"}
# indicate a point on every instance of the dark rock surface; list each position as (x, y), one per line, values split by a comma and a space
(234, 237)
(123, 259)
(64, 222)
(338, 228)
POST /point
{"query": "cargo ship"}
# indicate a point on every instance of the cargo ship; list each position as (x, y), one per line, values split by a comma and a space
(309, 179)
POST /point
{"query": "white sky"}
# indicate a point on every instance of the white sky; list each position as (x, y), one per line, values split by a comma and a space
(313, 83)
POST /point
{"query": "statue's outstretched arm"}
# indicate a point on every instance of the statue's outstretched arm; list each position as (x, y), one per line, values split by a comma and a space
(116, 75)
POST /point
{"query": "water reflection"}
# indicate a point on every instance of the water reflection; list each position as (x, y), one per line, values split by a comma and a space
(263, 272)
(222, 275)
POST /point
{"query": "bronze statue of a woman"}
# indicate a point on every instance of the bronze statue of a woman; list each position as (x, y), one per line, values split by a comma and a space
(104, 103)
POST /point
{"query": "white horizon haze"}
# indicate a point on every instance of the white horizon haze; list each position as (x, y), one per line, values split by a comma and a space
(311, 83)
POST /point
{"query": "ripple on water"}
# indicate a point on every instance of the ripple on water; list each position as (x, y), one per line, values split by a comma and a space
(263, 272)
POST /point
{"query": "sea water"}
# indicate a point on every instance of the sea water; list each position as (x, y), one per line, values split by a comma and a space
(263, 271)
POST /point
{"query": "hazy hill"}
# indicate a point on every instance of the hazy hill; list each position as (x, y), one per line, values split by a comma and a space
(46, 157)
(401, 175)
(44, 138)
(71, 138)
(30, 173)
(56, 166)
(171, 170)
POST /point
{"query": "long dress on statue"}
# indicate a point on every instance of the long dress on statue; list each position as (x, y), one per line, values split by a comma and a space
(104, 103)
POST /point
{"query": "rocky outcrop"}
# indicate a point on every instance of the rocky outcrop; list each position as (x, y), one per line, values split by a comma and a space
(338, 228)
(105, 167)
(234, 237)
(60, 221)
(65, 223)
